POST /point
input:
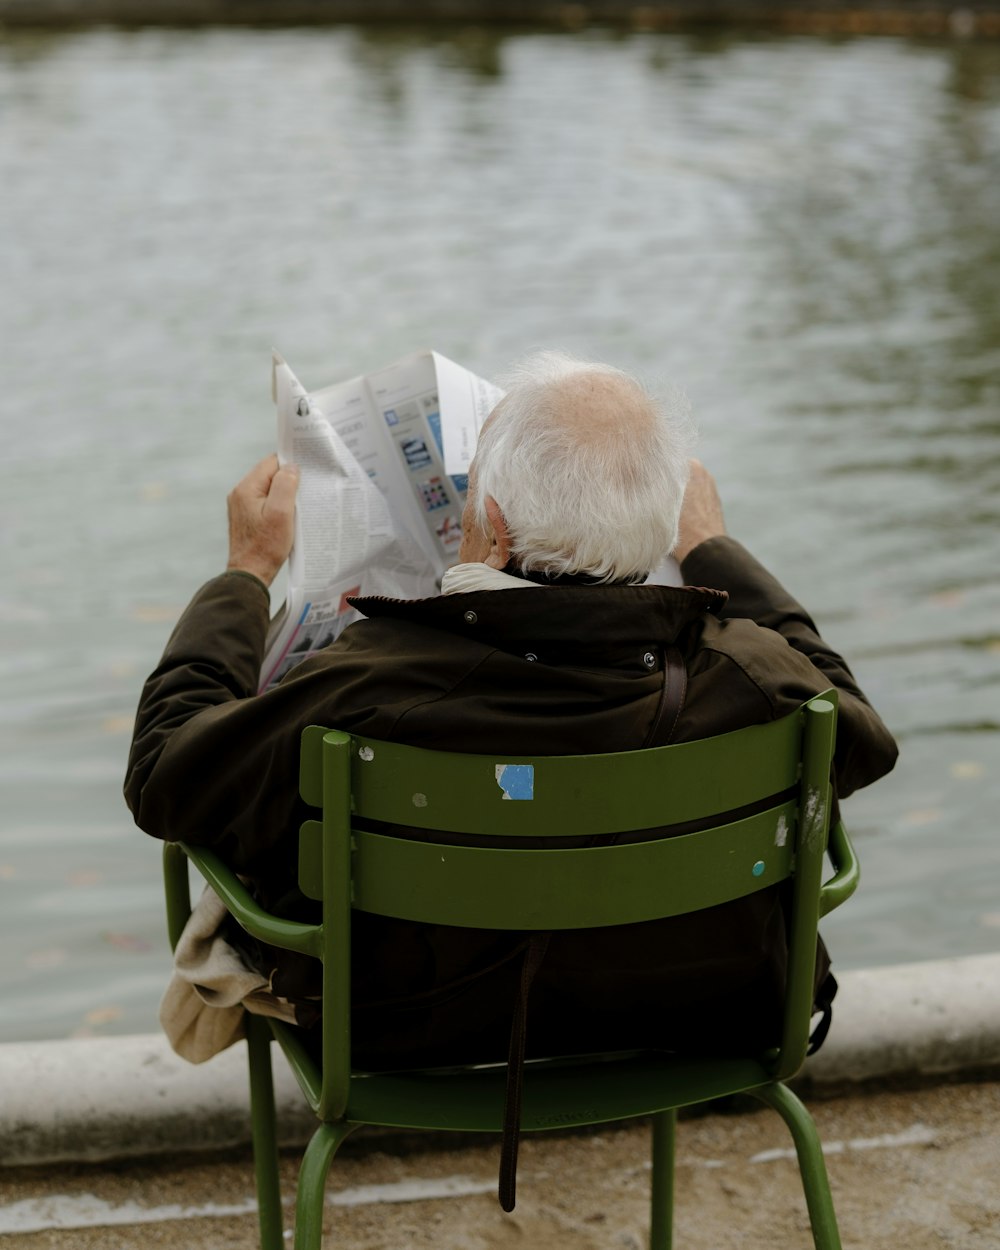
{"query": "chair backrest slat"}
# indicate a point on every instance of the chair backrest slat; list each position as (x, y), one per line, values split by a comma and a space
(577, 795)
(571, 888)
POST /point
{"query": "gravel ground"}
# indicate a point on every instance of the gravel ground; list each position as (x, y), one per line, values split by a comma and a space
(909, 1168)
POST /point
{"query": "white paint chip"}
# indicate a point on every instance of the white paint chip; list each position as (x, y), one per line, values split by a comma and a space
(815, 817)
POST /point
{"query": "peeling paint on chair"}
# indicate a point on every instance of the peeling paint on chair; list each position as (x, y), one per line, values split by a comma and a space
(517, 781)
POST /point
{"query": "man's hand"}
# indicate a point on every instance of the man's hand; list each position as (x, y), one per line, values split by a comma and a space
(701, 512)
(262, 519)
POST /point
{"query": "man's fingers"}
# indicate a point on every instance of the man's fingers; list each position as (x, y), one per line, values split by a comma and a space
(256, 485)
(258, 480)
(284, 485)
(261, 519)
(701, 512)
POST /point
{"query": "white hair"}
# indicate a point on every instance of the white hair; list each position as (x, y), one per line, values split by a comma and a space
(587, 467)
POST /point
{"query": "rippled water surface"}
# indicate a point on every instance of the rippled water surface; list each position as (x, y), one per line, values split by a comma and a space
(804, 234)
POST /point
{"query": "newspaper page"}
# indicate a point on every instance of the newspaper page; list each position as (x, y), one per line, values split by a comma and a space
(469, 400)
(419, 400)
(377, 512)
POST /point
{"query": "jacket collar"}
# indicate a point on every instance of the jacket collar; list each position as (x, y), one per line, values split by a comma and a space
(610, 616)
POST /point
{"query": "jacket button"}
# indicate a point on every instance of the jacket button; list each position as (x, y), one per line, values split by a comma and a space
(470, 618)
(530, 655)
(649, 659)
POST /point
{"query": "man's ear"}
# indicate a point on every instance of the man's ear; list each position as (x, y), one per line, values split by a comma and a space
(499, 556)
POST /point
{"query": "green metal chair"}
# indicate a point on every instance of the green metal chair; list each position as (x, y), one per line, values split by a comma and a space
(536, 889)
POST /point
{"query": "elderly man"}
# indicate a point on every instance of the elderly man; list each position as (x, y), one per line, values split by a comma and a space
(545, 639)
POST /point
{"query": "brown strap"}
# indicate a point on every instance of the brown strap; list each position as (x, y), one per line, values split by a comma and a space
(672, 698)
(671, 702)
(533, 956)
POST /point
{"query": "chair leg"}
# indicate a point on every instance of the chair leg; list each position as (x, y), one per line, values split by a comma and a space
(812, 1167)
(323, 1145)
(661, 1232)
(264, 1133)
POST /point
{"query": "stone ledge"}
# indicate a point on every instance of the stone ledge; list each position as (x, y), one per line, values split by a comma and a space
(98, 1099)
(920, 1019)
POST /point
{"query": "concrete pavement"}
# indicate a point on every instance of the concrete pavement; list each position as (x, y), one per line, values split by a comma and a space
(908, 1168)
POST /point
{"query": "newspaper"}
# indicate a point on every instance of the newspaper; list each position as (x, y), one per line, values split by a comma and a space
(383, 462)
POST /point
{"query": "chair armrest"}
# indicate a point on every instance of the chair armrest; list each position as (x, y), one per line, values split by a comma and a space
(177, 889)
(289, 934)
(847, 871)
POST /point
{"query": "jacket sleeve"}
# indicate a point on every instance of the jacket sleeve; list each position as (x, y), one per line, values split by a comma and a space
(865, 748)
(204, 743)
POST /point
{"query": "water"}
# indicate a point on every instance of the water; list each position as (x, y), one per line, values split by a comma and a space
(803, 233)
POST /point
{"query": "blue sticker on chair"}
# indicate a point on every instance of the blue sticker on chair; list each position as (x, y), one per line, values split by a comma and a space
(517, 781)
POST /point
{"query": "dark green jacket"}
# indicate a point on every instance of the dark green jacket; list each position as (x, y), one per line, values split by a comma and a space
(559, 670)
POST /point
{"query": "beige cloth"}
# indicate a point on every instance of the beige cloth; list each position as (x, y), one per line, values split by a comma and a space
(202, 1008)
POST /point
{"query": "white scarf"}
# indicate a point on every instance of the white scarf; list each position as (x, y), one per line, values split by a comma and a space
(462, 578)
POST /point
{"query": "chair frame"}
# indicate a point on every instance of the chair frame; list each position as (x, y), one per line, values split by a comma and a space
(347, 867)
